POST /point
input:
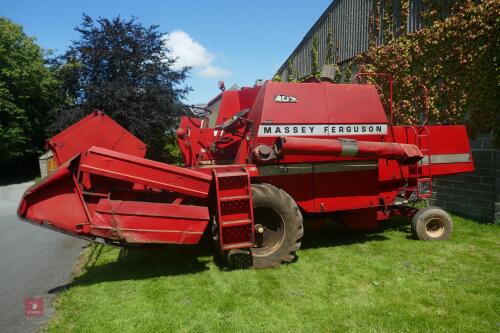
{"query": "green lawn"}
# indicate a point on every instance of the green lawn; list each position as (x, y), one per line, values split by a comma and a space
(342, 282)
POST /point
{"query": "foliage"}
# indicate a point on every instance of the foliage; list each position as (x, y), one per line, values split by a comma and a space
(290, 70)
(315, 56)
(122, 68)
(27, 93)
(172, 151)
(457, 59)
(277, 77)
(330, 58)
(343, 281)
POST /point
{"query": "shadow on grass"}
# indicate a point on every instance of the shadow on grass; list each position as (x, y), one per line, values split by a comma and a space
(140, 263)
(161, 261)
(334, 234)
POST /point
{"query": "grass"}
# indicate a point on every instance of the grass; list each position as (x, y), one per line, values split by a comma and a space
(342, 282)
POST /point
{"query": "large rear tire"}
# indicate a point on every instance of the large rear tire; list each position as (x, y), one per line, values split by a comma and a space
(278, 226)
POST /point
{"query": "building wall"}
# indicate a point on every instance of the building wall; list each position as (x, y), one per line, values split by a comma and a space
(351, 26)
(475, 195)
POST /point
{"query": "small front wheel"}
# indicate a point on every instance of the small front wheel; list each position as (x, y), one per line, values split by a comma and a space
(432, 223)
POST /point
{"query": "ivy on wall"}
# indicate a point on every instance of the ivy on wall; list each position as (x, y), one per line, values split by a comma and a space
(457, 59)
(315, 56)
(277, 78)
(329, 52)
(290, 70)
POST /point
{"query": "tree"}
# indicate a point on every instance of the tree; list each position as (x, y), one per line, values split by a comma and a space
(122, 68)
(27, 93)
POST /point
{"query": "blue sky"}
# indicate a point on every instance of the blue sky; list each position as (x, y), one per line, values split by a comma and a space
(234, 41)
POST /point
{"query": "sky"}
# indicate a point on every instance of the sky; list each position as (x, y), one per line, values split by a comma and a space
(232, 41)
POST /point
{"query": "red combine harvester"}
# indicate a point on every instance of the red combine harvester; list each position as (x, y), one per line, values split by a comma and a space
(257, 160)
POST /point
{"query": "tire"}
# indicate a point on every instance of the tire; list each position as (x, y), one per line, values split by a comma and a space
(278, 226)
(432, 223)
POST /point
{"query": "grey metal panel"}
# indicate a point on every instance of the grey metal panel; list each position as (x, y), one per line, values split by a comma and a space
(447, 158)
(414, 16)
(304, 168)
(344, 166)
(292, 169)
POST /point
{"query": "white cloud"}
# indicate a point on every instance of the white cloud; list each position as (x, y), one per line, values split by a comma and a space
(214, 71)
(191, 53)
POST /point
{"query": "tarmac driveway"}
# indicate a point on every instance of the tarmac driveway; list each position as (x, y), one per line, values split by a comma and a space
(34, 263)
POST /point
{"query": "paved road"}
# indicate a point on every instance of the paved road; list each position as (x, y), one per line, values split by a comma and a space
(33, 261)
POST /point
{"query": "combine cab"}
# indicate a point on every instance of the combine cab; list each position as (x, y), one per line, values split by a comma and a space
(256, 161)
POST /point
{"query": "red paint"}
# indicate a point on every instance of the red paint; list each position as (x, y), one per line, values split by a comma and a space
(96, 129)
(147, 222)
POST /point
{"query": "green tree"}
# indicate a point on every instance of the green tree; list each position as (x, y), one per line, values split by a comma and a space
(122, 68)
(27, 93)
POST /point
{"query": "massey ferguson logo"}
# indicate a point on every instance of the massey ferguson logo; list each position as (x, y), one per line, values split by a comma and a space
(285, 99)
(322, 129)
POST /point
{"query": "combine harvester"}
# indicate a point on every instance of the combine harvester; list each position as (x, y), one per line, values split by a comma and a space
(256, 162)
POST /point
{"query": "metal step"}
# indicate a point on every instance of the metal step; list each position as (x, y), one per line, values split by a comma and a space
(235, 223)
(234, 198)
(231, 174)
(237, 245)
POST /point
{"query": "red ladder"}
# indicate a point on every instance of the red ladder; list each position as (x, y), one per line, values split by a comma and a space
(234, 209)
(423, 169)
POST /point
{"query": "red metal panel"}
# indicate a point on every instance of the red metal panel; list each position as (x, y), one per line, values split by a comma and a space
(336, 191)
(229, 105)
(449, 139)
(449, 147)
(96, 129)
(125, 167)
(298, 186)
(146, 222)
(310, 108)
(248, 95)
(55, 201)
(353, 104)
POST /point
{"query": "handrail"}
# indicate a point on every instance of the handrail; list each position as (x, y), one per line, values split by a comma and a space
(426, 102)
(389, 77)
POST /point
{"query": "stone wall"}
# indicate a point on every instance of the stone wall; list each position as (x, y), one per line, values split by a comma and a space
(475, 195)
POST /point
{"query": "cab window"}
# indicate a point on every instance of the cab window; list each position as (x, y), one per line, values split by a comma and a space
(214, 108)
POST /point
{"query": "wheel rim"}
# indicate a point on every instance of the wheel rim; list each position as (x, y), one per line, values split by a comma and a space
(269, 231)
(434, 227)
